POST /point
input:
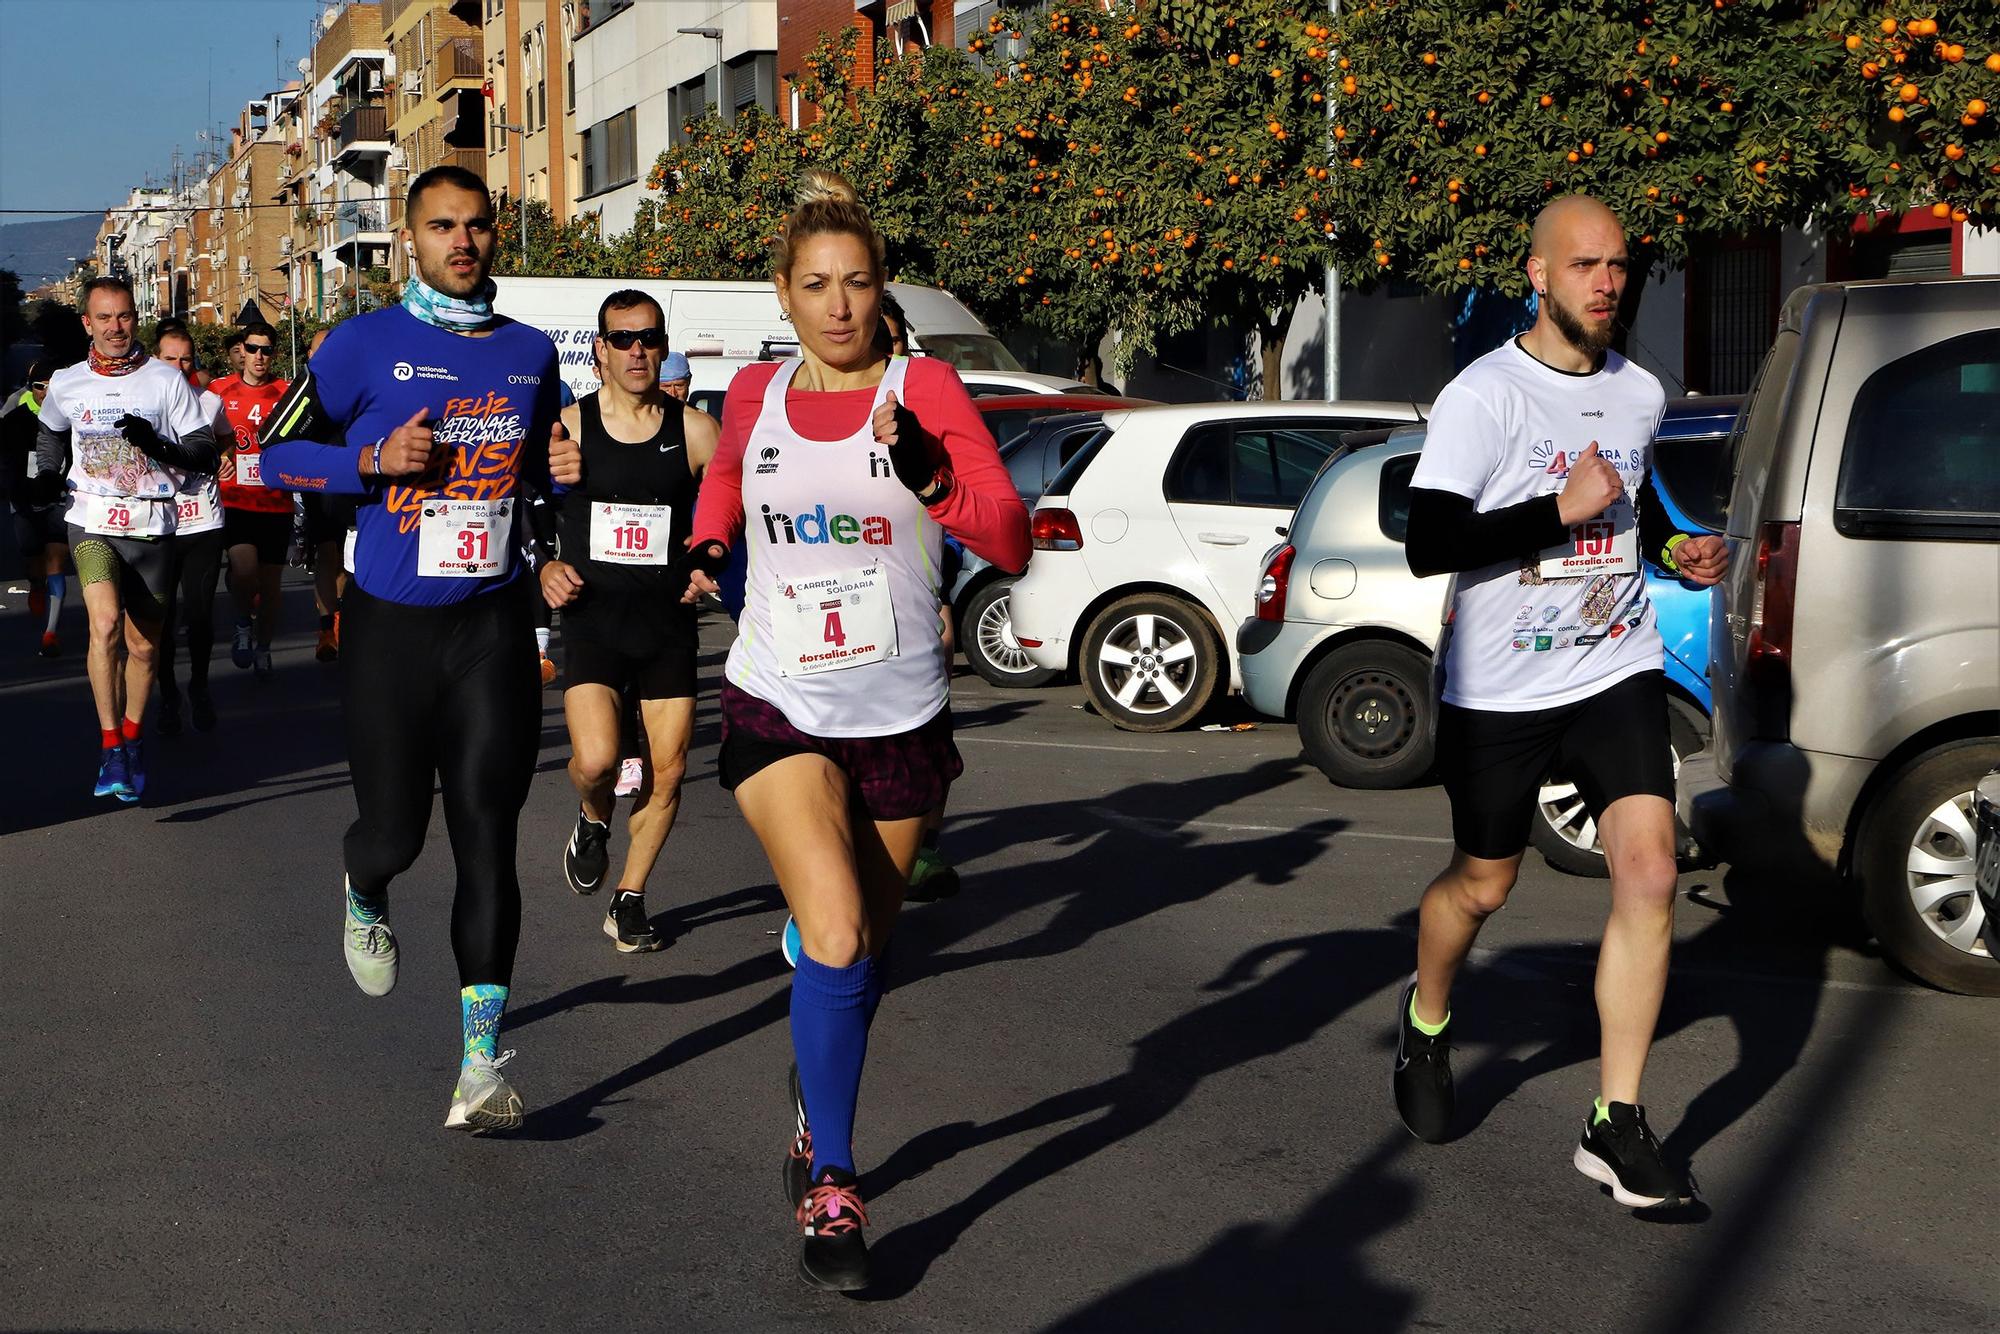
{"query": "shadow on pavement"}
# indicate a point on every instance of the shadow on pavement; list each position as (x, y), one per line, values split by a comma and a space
(1276, 996)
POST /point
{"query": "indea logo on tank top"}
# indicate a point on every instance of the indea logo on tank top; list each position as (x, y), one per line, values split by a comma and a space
(815, 526)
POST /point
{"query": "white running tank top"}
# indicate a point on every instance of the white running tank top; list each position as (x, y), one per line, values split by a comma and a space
(825, 512)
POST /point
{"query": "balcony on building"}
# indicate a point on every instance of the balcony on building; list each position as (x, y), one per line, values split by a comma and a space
(458, 63)
(364, 131)
(358, 220)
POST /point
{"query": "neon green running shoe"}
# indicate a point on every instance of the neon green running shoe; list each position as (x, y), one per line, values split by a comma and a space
(932, 878)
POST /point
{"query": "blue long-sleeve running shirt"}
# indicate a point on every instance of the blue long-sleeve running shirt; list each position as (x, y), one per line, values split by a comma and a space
(492, 401)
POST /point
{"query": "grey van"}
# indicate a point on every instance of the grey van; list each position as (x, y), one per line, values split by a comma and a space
(1855, 650)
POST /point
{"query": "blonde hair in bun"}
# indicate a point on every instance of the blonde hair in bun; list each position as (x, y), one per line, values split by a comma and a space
(824, 202)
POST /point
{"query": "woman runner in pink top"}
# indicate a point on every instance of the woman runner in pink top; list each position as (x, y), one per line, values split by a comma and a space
(842, 471)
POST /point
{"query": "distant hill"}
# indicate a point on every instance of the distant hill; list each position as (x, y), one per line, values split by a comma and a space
(40, 251)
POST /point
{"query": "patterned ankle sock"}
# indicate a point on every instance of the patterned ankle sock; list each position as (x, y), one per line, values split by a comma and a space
(480, 1007)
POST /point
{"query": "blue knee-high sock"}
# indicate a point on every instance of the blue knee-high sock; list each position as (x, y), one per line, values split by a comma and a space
(55, 585)
(830, 1010)
(878, 982)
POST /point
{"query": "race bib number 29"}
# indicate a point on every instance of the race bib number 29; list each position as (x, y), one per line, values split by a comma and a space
(833, 621)
(464, 539)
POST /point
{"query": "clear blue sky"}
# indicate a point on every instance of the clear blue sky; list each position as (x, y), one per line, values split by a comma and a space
(95, 94)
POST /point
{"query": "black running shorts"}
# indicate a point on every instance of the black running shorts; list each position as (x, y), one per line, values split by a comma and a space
(271, 534)
(328, 518)
(143, 567)
(666, 674)
(1611, 745)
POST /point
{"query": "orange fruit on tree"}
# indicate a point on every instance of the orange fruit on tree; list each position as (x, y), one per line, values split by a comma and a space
(1954, 53)
(1888, 27)
(1940, 210)
(1235, 59)
(1660, 138)
(1548, 101)
(1464, 263)
(1760, 167)
(1853, 42)
(1728, 107)
(1896, 114)
(1909, 92)
(1954, 152)
(1572, 156)
(1484, 97)
(1430, 58)
(1588, 148)
(1993, 62)
(1652, 192)
(1959, 215)
(1479, 151)
(1382, 258)
(1976, 107)
(1869, 69)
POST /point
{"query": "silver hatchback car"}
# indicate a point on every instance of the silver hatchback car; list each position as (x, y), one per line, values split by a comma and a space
(1855, 654)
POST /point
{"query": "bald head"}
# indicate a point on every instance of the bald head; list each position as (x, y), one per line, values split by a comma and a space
(1557, 226)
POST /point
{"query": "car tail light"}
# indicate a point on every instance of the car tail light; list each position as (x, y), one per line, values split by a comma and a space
(1768, 663)
(1276, 584)
(1056, 530)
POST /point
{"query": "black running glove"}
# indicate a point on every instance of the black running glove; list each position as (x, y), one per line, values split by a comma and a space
(139, 433)
(707, 557)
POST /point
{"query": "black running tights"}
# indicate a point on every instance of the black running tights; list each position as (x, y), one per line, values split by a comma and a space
(196, 561)
(451, 693)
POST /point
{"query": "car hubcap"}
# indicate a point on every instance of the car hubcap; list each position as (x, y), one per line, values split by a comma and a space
(1939, 874)
(1373, 714)
(995, 636)
(1564, 809)
(1147, 664)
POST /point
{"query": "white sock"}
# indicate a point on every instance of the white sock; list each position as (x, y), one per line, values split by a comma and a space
(542, 641)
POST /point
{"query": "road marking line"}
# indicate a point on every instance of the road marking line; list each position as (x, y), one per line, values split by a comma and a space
(1144, 823)
(1060, 745)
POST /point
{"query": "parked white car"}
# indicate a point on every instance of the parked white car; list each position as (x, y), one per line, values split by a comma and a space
(1148, 546)
(991, 383)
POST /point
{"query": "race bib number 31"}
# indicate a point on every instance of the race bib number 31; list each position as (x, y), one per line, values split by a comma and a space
(630, 534)
(1608, 544)
(833, 621)
(464, 539)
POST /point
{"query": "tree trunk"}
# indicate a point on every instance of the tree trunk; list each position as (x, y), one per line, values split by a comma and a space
(1271, 344)
(1089, 364)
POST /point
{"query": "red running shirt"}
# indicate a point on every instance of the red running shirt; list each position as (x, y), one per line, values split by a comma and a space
(246, 408)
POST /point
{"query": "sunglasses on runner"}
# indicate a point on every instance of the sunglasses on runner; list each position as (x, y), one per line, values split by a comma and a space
(622, 339)
(257, 349)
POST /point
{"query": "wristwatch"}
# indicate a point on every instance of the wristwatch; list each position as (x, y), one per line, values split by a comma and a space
(933, 494)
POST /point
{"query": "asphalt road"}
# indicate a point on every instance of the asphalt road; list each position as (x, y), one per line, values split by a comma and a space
(1134, 1077)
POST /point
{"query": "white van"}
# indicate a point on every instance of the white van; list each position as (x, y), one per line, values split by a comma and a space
(736, 322)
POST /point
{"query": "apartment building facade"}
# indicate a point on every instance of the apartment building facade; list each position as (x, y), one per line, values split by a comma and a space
(436, 104)
(640, 78)
(531, 85)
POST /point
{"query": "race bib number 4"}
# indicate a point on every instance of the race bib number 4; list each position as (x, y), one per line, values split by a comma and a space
(833, 621)
(1608, 544)
(464, 539)
(630, 534)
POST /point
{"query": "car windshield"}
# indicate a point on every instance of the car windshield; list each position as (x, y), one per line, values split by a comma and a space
(968, 352)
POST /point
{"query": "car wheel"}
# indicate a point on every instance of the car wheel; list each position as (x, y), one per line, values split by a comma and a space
(1150, 663)
(1365, 715)
(1915, 860)
(986, 632)
(1564, 831)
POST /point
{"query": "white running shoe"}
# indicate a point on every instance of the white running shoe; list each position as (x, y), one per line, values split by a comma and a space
(483, 1099)
(371, 954)
(631, 773)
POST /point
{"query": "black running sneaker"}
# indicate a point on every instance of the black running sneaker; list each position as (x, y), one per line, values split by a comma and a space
(167, 721)
(834, 1256)
(1424, 1097)
(625, 922)
(798, 1158)
(1623, 1153)
(585, 859)
(201, 709)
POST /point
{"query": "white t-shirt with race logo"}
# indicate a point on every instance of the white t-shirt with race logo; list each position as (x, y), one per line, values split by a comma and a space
(106, 470)
(1524, 635)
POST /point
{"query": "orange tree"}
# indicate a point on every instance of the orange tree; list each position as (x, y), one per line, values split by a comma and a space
(1455, 121)
(569, 249)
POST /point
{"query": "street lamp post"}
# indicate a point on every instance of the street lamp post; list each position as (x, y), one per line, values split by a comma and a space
(713, 35)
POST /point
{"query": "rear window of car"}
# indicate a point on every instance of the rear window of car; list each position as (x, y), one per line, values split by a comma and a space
(1252, 463)
(1009, 424)
(1073, 467)
(1922, 454)
(1393, 497)
(1689, 471)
